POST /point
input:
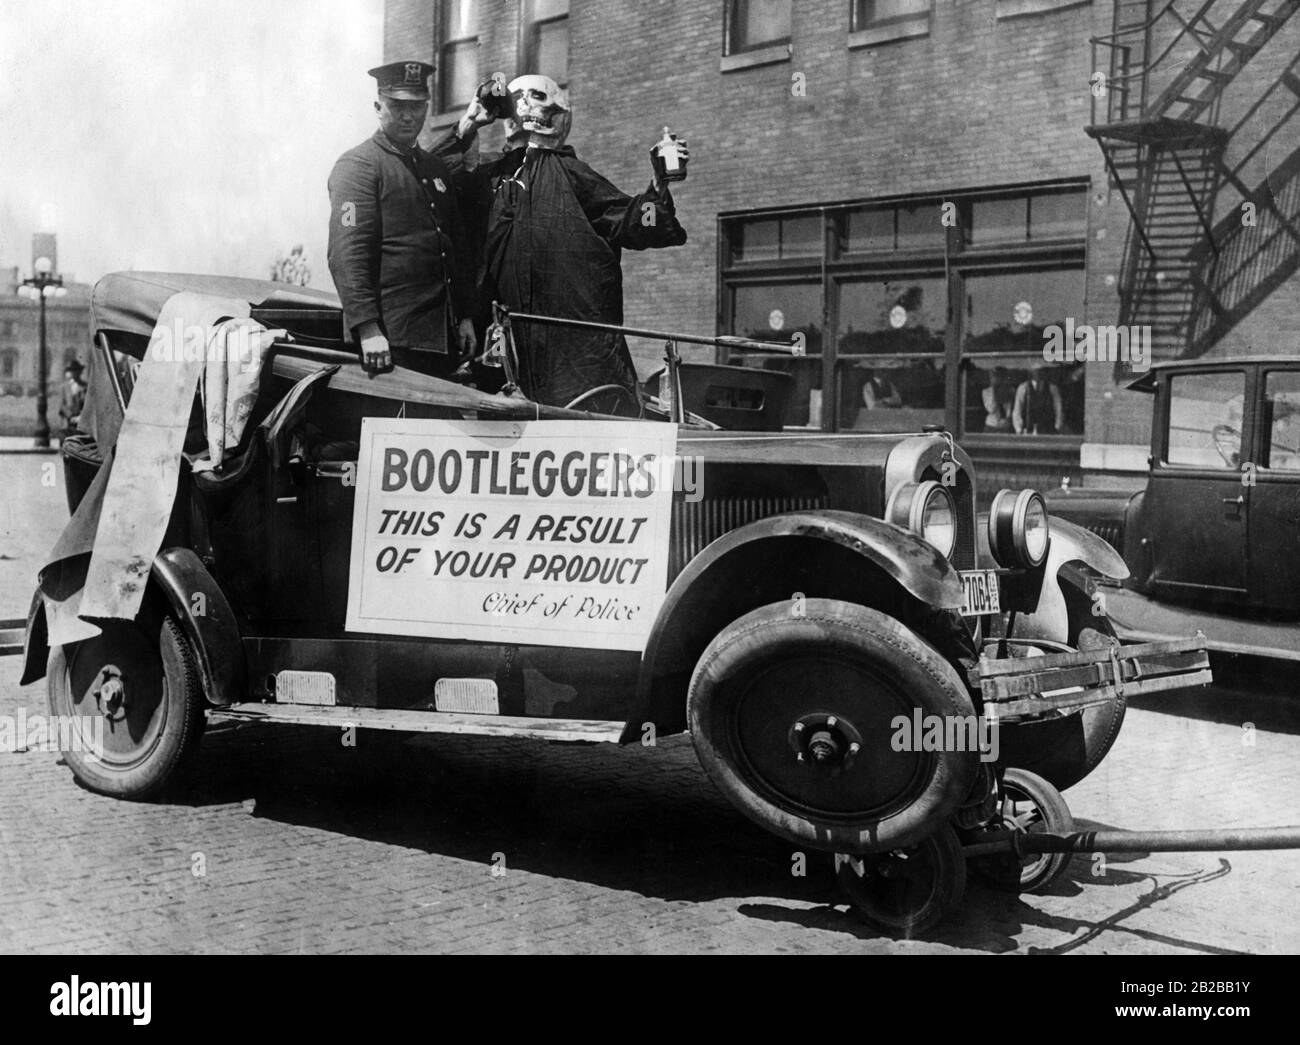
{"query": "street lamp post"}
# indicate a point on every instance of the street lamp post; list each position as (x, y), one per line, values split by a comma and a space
(43, 284)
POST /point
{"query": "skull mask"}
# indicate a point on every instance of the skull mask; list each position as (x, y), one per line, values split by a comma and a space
(541, 113)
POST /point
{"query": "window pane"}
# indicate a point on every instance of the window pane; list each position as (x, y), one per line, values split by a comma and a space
(991, 387)
(892, 316)
(890, 395)
(869, 230)
(551, 50)
(1007, 312)
(773, 312)
(1058, 215)
(540, 10)
(1205, 420)
(867, 12)
(758, 22)
(757, 241)
(999, 221)
(801, 237)
(459, 19)
(1282, 403)
(458, 75)
(920, 226)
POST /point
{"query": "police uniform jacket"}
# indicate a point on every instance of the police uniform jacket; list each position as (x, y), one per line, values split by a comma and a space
(395, 245)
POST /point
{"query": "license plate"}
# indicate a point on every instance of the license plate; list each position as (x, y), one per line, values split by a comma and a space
(981, 592)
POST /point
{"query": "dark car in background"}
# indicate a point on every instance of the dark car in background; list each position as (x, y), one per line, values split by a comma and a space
(1213, 540)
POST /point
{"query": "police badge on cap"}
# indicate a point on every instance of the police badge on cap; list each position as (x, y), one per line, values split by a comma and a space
(405, 81)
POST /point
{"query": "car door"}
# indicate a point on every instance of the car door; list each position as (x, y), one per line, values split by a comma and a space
(1274, 525)
(1198, 495)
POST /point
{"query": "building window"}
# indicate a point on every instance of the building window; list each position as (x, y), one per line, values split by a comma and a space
(8, 362)
(457, 53)
(867, 13)
(880, 21)
(753, 24)
(546, 38)
(939, 306)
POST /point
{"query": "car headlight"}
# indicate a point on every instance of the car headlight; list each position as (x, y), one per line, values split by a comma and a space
(927, 510)
(1018, 528)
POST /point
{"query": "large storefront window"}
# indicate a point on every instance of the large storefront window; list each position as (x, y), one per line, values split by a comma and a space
(935, 321)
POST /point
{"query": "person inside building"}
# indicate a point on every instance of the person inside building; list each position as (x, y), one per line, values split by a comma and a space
(998, 400)
(397, 248)
(878, 391)
(73, 399)
(552, 230)
(1037, 409)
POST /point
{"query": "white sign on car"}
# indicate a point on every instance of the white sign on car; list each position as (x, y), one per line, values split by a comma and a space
(547, 533)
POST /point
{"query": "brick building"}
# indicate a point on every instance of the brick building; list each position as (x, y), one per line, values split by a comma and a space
(910, 184)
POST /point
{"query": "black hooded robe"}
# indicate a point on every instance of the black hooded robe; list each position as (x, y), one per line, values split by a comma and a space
(554, 235)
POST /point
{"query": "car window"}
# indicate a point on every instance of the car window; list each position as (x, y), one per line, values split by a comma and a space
(1205, 413)
(1282, 414)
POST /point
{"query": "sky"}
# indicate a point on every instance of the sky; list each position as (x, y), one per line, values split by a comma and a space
(179, 135)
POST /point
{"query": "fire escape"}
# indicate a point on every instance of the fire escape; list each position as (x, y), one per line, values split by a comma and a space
(1156, 117)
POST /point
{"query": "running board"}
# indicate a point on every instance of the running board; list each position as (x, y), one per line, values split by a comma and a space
(573, 730)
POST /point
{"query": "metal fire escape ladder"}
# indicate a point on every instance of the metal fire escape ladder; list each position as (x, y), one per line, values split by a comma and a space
(1154, 111)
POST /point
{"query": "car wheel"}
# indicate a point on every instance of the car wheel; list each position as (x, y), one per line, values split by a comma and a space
(1027, 803)
(907, 892)
(796, 712)
(135, 686)
(1065, 750)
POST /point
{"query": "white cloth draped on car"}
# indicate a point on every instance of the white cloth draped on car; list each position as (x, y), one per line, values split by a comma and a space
(123, 517)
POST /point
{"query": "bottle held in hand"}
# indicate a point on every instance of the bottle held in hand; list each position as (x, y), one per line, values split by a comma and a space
(669, 160)
(495, 97)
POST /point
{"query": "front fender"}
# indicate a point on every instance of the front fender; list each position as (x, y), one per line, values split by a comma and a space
(1070, 544)
(201, 609)
(823, 554)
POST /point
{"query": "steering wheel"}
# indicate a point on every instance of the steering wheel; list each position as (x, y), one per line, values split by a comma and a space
(615, 393)
(1227, 440)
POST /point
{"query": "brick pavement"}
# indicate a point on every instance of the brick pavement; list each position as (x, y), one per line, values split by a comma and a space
(310, 846)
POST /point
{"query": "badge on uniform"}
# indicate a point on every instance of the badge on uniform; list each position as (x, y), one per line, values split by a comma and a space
(437, 184)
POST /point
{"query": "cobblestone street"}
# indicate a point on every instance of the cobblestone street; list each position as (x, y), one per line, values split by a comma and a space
(288, 841)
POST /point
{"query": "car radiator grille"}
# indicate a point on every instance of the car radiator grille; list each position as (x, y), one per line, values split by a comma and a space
(699, 523)
(1110, 532)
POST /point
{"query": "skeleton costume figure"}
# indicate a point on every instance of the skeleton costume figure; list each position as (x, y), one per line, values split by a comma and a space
(552, 235)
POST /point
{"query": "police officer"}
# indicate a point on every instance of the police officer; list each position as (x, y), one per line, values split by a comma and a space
(395, 239)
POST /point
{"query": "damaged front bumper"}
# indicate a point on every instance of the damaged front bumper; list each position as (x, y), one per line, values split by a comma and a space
(1028, 689)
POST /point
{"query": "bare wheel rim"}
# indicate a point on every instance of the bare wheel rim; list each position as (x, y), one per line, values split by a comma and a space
(806, 705)
(1021, 812)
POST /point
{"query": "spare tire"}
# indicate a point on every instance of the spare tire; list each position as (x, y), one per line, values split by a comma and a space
(797, 713)
(1065, 750)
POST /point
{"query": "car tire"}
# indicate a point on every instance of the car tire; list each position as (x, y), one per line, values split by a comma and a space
(779, 698)
(908, 892)
(1027, 803)
(152, 711)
